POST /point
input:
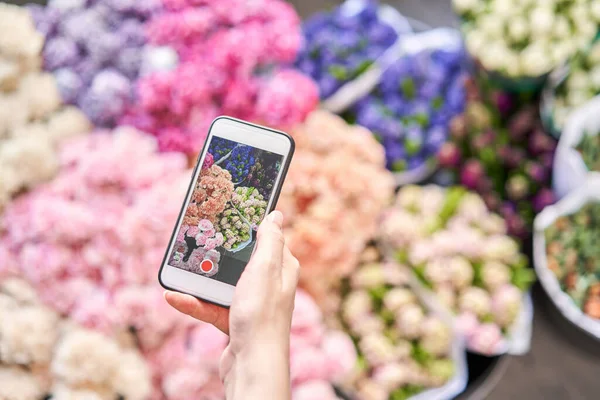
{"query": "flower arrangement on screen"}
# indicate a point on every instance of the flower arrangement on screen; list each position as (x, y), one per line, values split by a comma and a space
(209, 198)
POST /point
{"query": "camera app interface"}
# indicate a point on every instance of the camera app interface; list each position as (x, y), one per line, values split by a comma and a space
(228, 202)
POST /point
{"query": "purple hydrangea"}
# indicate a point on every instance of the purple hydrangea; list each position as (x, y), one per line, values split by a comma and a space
(339, 46)
(95, 49)
(410, 110)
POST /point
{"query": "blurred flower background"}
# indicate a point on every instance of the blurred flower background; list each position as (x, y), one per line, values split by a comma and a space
(104, 105)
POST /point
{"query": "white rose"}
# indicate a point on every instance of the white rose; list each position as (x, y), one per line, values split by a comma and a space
(579, 13)
(587, 29)
(493, 56)
(561, 51)
(512, 65)
(465, 6)
(492, 25)
(475, 41)
(595, 10)
(576, 98)
(577, 80)
(594, 54)
(542, 20)
(535, 60)
(595, 76)
(562, 29)
(503, 8)
(518, 29)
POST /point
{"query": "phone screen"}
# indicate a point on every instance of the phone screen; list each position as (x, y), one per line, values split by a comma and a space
(228, 202)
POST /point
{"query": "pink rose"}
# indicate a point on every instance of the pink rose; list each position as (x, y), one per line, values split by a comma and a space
(340, 352)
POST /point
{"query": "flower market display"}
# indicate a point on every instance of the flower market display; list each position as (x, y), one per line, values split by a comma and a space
(481, 277)
(404, 348)
(573, 254)
(581, 84)
(410, 110)
(227, 51)
(336, 186)
(501, 151)
(526, 39)
(32, 119)
(45, 355)
(343, 44)
(95, 52)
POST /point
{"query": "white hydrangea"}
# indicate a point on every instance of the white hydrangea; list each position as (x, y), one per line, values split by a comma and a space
(17, 384)
(132, 380)
(85, 357)
(28, 335)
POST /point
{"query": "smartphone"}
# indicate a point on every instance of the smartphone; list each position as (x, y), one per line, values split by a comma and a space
(236, 183)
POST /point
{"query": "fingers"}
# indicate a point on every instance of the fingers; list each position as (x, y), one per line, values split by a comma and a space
(206, 312)
(290, 272)
(268, 254)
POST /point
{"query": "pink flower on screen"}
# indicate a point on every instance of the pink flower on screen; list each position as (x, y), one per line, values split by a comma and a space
(201, 239)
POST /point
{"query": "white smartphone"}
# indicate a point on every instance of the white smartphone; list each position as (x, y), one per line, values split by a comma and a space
(236, 183)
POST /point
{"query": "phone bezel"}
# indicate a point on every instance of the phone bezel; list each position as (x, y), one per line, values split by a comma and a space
(201, 287)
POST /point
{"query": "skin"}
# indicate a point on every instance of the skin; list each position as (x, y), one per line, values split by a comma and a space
(255, 364)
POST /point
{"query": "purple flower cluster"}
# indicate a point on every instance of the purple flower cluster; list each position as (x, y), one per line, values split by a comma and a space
(339, 47)
(410, 110)
(94, 49)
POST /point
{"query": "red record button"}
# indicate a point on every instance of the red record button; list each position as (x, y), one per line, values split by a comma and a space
(206, 266)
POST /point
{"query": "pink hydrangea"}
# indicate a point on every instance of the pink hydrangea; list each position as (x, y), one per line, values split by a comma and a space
(316, 197)
(222, 47)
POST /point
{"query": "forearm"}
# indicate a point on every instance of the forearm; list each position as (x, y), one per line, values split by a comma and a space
(260, 372)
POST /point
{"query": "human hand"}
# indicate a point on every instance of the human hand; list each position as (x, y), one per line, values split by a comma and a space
(259, 320)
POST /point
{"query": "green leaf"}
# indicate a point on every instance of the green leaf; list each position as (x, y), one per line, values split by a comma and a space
(339, 72)
(408, 88)
(362, 67)
(399, 166)
(437, 103)
(420, 355)
(523, 278)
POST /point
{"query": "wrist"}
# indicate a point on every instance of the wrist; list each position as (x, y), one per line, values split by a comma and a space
(259, 370)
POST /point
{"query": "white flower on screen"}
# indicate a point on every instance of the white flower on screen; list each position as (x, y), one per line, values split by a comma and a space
(561, 51)
(587, 30)
(580, 12)
(511, 63)
(493, 56)
(577, 97)
(504, 8)
(595, 10)
(578, 80)
(595, 76)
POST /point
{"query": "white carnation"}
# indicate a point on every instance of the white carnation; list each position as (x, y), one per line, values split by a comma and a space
(542, 20)
(492, 25)
(493, 55)
(28, 335)
(475, 41)
(518, 28)
(535, 60)
(17, 384)
(85, 357)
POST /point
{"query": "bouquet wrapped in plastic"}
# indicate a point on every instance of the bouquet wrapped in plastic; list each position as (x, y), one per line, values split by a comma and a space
(32, 120)
(501, 151)
(46, 355)
(405, 348)
(521, 39)
(335, 188)
(482, 277)
(95, 51)
(226, 52)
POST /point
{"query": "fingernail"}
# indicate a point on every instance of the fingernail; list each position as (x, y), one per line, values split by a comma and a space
(276, 217)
